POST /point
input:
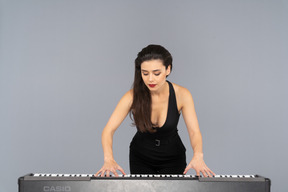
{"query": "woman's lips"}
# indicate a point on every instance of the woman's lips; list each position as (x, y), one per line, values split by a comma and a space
(152, 85)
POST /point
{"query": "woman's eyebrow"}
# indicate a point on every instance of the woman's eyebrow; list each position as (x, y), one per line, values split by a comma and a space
(152, 71)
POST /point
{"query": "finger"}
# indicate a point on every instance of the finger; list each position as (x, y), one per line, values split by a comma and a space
(198, 173)
(186, 170)
(107, 173)
(212, 172)
(122, 171)
(208, 173)
(115, 174)
(203, 173)
(102, 173)
(97, 174)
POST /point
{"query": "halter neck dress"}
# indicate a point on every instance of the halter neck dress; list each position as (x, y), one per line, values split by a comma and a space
(161, 152)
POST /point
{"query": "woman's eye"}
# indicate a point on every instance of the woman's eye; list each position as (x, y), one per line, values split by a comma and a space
(157, 74)
(145, 74)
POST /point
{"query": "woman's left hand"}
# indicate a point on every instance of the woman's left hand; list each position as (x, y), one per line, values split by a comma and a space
(197, 163)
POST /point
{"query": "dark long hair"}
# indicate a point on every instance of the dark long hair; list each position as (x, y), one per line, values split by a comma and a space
(141, 106)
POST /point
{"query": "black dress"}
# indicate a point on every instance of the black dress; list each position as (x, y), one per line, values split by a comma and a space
(161, 152)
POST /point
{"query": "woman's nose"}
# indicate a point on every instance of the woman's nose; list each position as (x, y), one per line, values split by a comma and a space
(150, 77)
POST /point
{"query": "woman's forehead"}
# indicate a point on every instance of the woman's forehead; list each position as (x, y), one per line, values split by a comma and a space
(152, 65)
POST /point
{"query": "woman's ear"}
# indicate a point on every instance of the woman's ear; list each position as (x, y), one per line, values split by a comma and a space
(168, 70)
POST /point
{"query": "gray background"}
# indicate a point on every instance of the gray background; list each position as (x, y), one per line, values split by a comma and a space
(65, 64)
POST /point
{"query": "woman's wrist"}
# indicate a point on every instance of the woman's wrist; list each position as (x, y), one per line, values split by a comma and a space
(198, 155)
(107, 159)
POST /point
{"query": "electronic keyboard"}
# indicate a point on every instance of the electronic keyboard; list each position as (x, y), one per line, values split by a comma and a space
(142, 182)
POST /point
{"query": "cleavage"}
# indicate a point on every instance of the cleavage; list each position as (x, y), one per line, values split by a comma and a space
(159, 113)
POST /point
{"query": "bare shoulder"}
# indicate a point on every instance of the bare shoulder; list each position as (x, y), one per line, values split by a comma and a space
(128, 96)
(181, 91)
(182, 95)
(129, 93)
(125, 102)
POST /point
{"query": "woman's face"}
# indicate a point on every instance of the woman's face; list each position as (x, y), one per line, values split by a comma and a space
(154, 74)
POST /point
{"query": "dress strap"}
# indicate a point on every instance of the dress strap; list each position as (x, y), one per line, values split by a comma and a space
(172, 98)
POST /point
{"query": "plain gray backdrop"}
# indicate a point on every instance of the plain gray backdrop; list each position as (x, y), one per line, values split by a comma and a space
(65, 64)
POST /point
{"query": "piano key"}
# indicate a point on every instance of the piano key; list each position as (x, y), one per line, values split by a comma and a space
(140, 175)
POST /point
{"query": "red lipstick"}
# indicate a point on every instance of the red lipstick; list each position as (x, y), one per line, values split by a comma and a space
(152, 85)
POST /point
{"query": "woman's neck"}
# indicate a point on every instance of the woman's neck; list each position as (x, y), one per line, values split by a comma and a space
(161, 91)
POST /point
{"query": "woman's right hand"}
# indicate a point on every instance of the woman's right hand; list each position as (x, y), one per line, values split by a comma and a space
(110, 166)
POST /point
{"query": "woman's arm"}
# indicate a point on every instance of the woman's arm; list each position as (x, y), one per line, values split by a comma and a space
(188, 111)
(121, 111)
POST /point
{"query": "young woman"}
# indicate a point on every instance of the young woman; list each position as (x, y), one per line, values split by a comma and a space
(155, 105)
